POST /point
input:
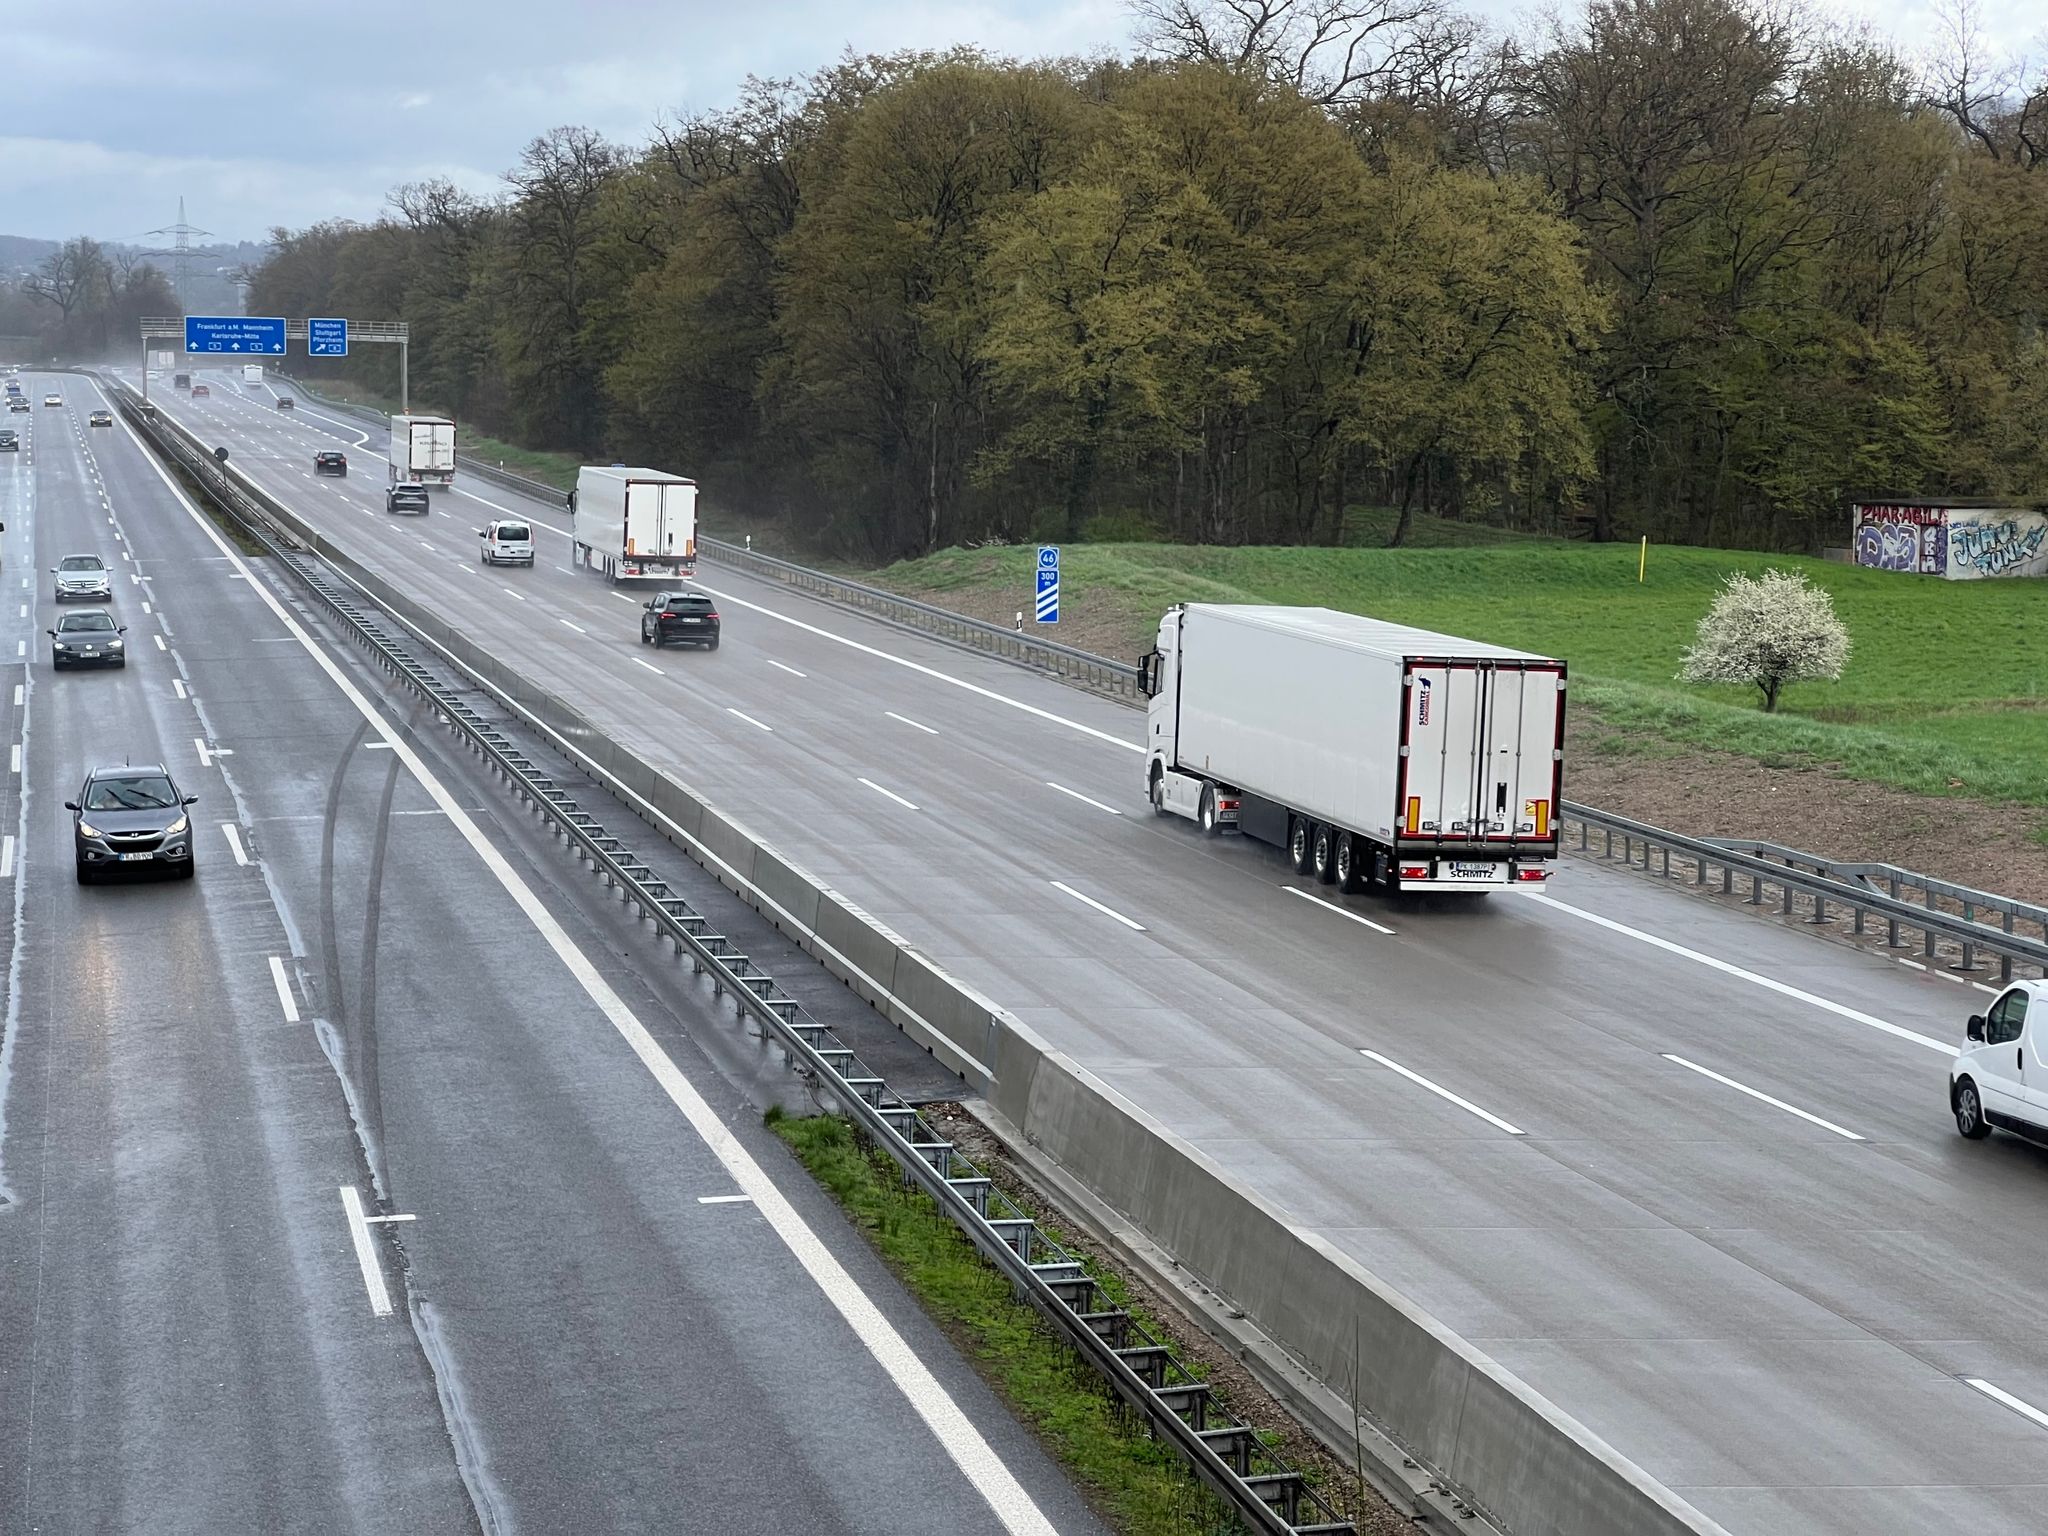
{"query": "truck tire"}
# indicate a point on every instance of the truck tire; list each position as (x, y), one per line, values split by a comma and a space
(1157, 793)
(1347, 864)
(1209, 821)
(1300, 841)
(1324, 858)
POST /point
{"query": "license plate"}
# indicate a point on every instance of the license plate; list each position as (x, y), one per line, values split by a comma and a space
(136, 858)
(693, 621)
(88, 654)
(1472, 871)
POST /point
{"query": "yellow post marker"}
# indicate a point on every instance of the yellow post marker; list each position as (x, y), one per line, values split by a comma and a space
(1643, 560)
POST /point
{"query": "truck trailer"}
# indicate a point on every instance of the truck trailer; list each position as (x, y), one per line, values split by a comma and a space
(634, 523)
(1372, 753)
(422, 450)
(252, 373)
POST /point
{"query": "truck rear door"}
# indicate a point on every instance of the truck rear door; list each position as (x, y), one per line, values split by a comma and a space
(1481, 741)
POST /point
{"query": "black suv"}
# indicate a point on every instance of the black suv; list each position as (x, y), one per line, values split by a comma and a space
(330, 461)
(406, 496)
(131, 815)
(688, 617)
(284, 402)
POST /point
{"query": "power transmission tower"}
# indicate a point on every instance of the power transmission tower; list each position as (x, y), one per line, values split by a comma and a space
(180, 235)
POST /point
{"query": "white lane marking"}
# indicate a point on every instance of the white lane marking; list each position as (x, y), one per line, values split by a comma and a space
(14, 759)
(159, 639)
(284, 990)
(927, 1396)
(146, 608)
(6, 856)
(233, 834)
(1913, 965)
(932, 672)
(178, 686)
(510, 593)
(21, 647)
(17, 695)
(626, 597)
(1331, 906)
(650, 666)
(1998, 1395)
(724, 1199)
(430, 548)
(1993, 991)
(1076, 794)
(577, 627)
(748, 718)
(1443, 1093)
(906, 720)
(871, 784)
(366, 1253)
(1090, 901)
(792, 671)
(396, 1216)
(1765, 1098)
(1827, 1005)
(376, 746)
(486, 501)
(205, 757)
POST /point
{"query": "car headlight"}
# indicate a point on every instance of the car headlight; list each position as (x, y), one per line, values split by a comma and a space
(89, 831)
(63, 645)
(113, 645)
(178, 827)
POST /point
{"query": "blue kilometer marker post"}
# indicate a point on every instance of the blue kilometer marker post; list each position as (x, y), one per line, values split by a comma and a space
(1048, 609)
(327, 338)
(249, 335)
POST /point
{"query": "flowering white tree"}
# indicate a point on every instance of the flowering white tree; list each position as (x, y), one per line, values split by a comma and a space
(1768, 631)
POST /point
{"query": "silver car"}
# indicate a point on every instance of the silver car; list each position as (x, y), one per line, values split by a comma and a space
(84, 577)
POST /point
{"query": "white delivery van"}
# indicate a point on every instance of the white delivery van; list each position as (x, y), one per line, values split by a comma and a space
(507, 542)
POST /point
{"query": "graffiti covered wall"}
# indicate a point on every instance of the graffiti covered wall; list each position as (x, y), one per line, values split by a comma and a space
(1960, 543)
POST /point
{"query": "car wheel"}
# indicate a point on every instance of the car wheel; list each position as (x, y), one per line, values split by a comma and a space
(184, 871)
(85, 873)
(1300, 844)
(1969, 1112)
(1323, 858)
(712, 646)
(1206, 817)
(1347, 864)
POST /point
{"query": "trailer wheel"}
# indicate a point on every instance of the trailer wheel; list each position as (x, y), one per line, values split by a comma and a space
(1325, 856)
(1209, 822)
(1299, 852)
(1347, 864)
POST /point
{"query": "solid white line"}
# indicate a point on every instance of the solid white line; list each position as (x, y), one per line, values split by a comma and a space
(1913, 964)
(1098, 906)
(748, 718)
(1331, 906)
(1076, 794)
(178, 686)
(933, 672)
(1998, 1395)
(1443, 1093)
(906, 720)
(577, 627)
(956, 1434)
(366, 1255)
(284, 990)
(650, 666)
(871, 784)
(1790, 1109)
(792, 671)
(6, 856)
(724, 1199)
(233, 834)
(1828, 1005)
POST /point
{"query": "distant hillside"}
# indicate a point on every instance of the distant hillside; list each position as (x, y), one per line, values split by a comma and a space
(18, 253)
(209, 282)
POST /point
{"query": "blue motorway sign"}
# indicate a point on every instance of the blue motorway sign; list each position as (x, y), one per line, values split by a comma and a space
(1048, 584)
(327, 338)
(249, 335)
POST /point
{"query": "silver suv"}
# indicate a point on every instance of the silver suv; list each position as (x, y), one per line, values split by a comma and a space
(84, 577)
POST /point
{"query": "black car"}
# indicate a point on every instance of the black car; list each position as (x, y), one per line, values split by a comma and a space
(131, 815)
(686, 617)
(100, 419)
(284, 402)
(406, 496)
(88, 637)
(330, 461)
(10, 442)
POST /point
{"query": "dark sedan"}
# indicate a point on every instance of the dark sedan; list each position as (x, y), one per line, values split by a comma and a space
(330, 461)
(9, 442)
(284, 402)
(131, 816)
(688, 618)
(88, 637)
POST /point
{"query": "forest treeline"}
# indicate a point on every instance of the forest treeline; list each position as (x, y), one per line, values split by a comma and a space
(85, 300)
(1692, 268)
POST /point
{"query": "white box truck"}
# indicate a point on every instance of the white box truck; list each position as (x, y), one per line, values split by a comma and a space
(631, 523)
(422, 450)
(252, 373)
(1371, 752)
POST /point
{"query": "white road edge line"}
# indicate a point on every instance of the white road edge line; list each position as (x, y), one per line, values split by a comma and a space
(1999, 1395)
(1783, 989)
(366, 1252)
(284, 990)
(748, 718)
(233, 834)
(956, 1434)
(906, 720)
(1764, 1098)
(871, 784)
(1331, 906)
(1444, 1093)
(1090, 901)
(1085, 800)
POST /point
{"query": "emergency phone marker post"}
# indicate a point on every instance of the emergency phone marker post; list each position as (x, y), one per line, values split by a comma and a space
(1048, 605)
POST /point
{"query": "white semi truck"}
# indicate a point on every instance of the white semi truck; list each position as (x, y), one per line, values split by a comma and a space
(252, 373)
(422, 450)
(634, 523)
(1373, 753)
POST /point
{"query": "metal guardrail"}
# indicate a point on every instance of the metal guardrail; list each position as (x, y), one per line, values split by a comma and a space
(1227, 1453)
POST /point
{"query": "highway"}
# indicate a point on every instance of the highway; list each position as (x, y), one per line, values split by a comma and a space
(382, 1177)
(1689, 1174)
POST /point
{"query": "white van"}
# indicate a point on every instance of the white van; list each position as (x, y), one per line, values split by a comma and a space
(507, 543)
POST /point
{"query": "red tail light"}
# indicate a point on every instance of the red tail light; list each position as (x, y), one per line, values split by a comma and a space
(1414, 871)
(712, 615)
(1532, 874)
(666, 615)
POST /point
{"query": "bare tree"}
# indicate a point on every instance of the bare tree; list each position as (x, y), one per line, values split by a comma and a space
(74, 274)
(1997, 102)
(1331, 51)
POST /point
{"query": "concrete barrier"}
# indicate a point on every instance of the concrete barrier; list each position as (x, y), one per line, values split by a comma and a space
(1510, 1452)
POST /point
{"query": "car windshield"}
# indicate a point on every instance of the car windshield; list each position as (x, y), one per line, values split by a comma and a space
(515, 532)
(81, 563)
(85, 621)
(136, 792)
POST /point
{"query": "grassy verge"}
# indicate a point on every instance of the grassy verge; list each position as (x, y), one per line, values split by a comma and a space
(1139, 1486)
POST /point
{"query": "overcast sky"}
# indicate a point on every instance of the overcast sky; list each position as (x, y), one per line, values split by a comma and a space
(285, 113)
